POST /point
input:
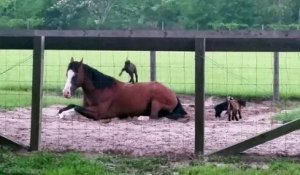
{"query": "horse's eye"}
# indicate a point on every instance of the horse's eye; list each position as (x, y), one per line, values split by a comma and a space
(74, 79)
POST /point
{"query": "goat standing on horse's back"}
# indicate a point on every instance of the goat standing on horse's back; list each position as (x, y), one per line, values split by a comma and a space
(130, 68)
(105, 97)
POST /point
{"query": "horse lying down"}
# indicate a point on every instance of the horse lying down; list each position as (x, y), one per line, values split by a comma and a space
(232, 107)
(104, 97)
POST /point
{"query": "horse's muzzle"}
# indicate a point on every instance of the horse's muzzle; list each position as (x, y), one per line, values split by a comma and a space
(67, 94)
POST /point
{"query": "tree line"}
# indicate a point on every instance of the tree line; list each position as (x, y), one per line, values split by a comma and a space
(150, 14)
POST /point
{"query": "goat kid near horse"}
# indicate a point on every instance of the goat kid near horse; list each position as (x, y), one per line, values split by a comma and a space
(104, 97)
(232, 107)
(232, 110)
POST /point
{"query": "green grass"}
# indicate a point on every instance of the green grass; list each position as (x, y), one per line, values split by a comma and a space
(50, 164)
(287, 110)
(288, 116)
(50, 100)
(131, 165)
(12, 99)
(274, 168)
(47, 163)
(242, 74)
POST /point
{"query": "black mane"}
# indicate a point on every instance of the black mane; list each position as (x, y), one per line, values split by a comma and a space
(99, 80)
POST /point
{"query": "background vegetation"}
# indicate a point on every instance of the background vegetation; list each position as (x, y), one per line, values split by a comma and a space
(150, 14)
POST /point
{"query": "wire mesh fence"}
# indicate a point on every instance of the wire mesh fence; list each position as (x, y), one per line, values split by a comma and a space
(242, 75)
(15, 92)
(249, 76)
(137, 136)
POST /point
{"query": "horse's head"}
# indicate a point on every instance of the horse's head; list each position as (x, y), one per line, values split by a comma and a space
(75, 77)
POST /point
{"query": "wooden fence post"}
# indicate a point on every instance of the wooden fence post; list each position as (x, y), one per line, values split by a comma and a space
(152, 66)
(199, 95)
(276, 96)
(37, 92)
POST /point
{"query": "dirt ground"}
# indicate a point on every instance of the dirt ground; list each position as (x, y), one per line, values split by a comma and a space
(143, 137)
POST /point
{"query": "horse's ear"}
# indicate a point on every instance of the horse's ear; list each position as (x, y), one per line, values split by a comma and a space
(72, 59)
(81, 64)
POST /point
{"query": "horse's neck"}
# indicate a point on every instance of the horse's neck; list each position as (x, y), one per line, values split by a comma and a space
(96, 96)
(88, 85)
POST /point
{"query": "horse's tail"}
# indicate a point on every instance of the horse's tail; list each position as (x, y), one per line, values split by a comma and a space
(178, 111)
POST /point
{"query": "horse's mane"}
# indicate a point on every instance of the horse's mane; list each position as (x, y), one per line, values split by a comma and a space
(99, 80)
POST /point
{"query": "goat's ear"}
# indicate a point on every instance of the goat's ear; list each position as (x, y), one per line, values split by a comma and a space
(72, 59)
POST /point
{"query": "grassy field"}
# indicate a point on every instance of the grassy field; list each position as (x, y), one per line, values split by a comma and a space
(247, 74)
(45, 163)
(288, 116)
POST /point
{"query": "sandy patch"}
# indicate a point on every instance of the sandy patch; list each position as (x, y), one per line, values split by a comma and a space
(142, 137)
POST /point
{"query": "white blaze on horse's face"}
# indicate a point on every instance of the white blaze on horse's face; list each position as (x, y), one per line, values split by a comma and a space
(67, 89)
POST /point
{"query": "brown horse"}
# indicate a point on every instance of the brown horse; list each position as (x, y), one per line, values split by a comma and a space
(105, 97)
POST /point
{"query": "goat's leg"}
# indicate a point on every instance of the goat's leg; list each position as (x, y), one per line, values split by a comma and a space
(240, 115)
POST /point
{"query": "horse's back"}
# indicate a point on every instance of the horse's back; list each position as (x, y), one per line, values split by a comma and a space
(148, 90)
(135, 98)
(157, 90)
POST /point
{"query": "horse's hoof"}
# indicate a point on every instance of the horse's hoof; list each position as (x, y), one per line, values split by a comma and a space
(66, 113)
(61, 115)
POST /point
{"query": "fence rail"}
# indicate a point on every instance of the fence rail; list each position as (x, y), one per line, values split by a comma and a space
(196, 41)
(153, 40)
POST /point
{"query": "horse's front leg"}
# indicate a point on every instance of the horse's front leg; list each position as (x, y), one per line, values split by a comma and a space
(66, 108)
(62, 112)
(88, 112)
(93, 112)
